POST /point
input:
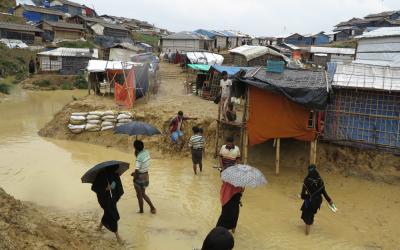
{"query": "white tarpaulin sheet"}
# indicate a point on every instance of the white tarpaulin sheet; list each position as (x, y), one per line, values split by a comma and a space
(381, 32)
(12, 43)
(205, 58)
(367, 77)
(102, 66)
(330, 50)
(251, 52)
(124, 55)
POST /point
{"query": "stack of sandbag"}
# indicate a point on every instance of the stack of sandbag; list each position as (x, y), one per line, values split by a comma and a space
(124, 117)
(93, 121)
(108, 120)
(77, 122)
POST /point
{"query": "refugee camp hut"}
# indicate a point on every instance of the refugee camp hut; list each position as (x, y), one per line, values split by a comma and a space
(249, 56)
(379, 47)
(196, 77)
(122, 52)
(280, 106)
(364, 110)
(220, 40)
(185, 41)
(66, 61)
(37, 14)
(109, 29)
(146, 47)
(86, 21)
(26, 33)
(56, 31)
(68, 7)
(320, 56)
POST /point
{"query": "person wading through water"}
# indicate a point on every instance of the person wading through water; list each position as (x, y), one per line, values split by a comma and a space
(311, 193)
(141, 175)
(175, 127)
(196, 144)
(108, 188)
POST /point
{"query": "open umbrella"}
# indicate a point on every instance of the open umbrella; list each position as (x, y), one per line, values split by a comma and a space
(243, 176)
(91, 174)
(136, 128)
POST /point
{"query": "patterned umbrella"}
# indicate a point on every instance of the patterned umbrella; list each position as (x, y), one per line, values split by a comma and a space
(243, 176)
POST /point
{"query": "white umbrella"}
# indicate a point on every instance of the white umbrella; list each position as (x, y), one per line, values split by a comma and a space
(243, 176)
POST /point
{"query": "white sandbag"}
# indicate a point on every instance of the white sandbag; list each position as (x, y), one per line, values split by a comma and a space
(93, 130)
(110, 120)
(126, 113)
(107, 124)
(107, 128)
(79, 114)
(124, 120)
(89, 127)
(76, 131)
(75, 122)
(108, 117)
(72, 126)
(99, 113)
(93, 117)
(94, 121)
(77, 117)
(109, 112)
(124, 116)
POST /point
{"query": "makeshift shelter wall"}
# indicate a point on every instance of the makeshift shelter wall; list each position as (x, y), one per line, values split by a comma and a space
(181, 45)
(50, 63)
(117, 54)
(341, 58)
(221, 42)
(366, 117)
(272, 115)
(381, 49)
(26, 37)
(73, 65)
(240, 60)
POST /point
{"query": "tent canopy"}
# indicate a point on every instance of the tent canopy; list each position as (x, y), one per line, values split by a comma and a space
(231, 70)
(251, 52)
(202, 67)
(103, 66)
(305, 87)
(205, 58)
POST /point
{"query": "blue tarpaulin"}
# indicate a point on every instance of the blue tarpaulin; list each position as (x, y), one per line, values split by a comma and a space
(231, 70)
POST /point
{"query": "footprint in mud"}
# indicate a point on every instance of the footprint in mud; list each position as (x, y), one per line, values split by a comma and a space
(182, 231)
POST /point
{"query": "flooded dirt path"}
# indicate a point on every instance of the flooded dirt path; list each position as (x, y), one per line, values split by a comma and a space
(48, 173)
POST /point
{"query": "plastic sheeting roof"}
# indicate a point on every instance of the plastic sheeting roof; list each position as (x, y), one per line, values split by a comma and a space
(202, 67)
(12, 43)
(71, 52)
(229, 69)
(381, 32)
(251, 52)
(205, 58)
(330, 50)
(186, 35)
(102, 65)
(367, 77)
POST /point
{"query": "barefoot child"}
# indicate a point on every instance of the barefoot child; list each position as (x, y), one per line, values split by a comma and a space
(196, 143)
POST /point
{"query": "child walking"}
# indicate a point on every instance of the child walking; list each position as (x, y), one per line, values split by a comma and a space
(196, 143)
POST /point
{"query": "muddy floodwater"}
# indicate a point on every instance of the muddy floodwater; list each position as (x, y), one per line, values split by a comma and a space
(48, 173)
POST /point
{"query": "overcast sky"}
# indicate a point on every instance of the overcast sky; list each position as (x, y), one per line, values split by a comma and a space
(256, 17)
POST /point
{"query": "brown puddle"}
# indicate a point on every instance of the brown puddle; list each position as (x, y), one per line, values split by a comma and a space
(48, 172)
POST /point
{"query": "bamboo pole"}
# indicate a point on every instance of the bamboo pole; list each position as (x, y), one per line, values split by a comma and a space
(277, 155)
(315, 151)
(244, 121)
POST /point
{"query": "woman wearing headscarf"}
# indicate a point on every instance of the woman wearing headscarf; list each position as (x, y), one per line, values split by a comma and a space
(218, 239)
(230, 200)
(311, 193)
(108, 188)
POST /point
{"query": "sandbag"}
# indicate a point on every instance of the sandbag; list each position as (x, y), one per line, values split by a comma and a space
(89, 126)
(110, 120)
(76, 131)
(79, 114)
(93, 130)
(72, 126)
(75, 122)
(107, 128)
(77, 118)
(126, 113)
(124, 120)
(107, 124)
(124, 116)
(94, 121)
(109, 112)
(108, 117)
(93, 117)
(99, 113)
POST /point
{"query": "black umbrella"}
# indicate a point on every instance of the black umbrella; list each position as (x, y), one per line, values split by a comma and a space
(91, 174)
(136, 128)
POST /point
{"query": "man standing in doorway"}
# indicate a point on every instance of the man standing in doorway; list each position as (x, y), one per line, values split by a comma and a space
(225, 85)
(175, 127)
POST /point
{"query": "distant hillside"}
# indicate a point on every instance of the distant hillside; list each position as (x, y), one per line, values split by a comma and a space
(6, 4)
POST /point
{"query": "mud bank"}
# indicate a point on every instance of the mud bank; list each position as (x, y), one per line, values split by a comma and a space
(25, 226)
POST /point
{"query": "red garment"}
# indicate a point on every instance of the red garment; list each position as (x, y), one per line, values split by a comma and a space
(175, 123)
(228, 191)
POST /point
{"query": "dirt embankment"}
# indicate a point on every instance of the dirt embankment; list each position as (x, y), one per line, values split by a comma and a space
(49, 82)
(24, 226)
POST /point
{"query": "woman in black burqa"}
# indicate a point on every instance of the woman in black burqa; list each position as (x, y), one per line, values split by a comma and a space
(108, 188)
(311, 193)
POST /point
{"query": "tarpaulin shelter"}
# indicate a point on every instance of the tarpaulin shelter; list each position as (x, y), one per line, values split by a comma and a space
(282, 105)
(204, 58)
(196, 76)
(248, 55)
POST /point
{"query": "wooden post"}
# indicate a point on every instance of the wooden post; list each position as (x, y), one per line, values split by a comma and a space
(244, 124)
(313, 152)
(277, 155)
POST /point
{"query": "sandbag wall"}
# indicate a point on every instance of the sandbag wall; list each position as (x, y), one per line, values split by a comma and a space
(98, 120)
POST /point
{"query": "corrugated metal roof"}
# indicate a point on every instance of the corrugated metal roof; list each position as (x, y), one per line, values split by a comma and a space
(367, 77)
(112, 26)
(382, 14)
(41, 10)
(331, 50)
(64, 25)
(251, 52)
(71, 52)
(66, 2)
(19, 27)
(381, 32)
(186, 35)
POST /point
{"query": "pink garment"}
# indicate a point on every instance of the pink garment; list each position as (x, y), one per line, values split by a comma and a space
(228, 191)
